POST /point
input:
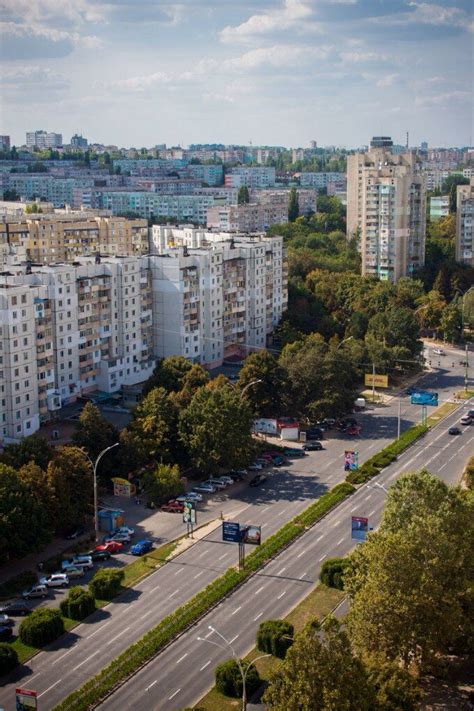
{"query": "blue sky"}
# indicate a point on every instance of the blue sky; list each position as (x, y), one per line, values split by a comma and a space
(141, 72)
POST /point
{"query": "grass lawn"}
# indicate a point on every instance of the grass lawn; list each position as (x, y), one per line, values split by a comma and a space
(440, 413)
(465, 394)
(146, 564)
(319, 603)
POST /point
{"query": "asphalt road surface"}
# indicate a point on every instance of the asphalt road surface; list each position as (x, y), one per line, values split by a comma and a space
(67, 664)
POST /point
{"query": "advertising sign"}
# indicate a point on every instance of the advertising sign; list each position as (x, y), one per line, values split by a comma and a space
(351, 460)
(189, 512)
(26, 700)
(378, 381)
(251, 535)
(424, 398)
(231, 532)
(359, 528)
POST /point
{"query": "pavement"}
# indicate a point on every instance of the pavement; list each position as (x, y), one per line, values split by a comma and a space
(94, 643)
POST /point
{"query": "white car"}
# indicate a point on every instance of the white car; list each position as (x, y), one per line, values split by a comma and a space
(124, 530)
(119, 537)
(56, 580)
(225, 479)
(438, 351)
(205, 488)
(465, 420)
(190, 496)
(217, 483)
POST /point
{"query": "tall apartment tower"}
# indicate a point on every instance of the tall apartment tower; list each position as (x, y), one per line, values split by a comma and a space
(43, 139)
(465, 223)
(386, 205)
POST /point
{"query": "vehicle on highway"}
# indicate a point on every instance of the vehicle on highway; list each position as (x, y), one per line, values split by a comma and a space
(190, 496)
(454, 431)
(471, 413)
(141, 547)
(313, 447)
(124, 530)
(38, 590)
(75, 532)
(173, 507)
(98, 554)
(439, 351)
(217, 483)
(118, 538)
(465, 420)
(109, 547)
(6, 633)
(6, 621)
(16, 608)
(257, 480)
(204, 488)
(56, 580)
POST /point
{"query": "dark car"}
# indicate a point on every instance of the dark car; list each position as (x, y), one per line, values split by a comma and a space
(99, 555)
(6, 633)
(257, 480)
(313, 447)
(470, 413)
(314, 433)
(454, 431)
(5, 621)
(18, 608)
(75, 532)
(236, 476)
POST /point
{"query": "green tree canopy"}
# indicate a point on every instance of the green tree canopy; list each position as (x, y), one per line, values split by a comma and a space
(293, 205)
(169, 374)
(31, 449)
(243, 196)
(70, 480)
(162, 483)
(94, 433)
(264, 397)
(152, 430)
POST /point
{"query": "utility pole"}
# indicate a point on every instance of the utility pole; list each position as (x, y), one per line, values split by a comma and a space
(399, 416)
(466, 371)
(373, 382)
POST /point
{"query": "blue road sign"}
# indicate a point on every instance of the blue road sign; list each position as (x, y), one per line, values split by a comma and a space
(231, 531)
(424, 398)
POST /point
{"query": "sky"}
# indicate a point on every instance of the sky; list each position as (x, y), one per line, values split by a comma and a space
(267, 72)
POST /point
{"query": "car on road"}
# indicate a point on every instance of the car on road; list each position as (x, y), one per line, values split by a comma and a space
(439, 351)
(454, 431)
(313, 447)
(470, 413)
(66, 565)
(353, 430)
(216, 483)
(314, 433)
(204, 488)
(173, 507)
(75, 532)
(73, 571)
(118, 538)
(6, 621)
(465, 420)
(16, 608)
(38, 590)
(225, 479)
(258, 480)
(190, 496)
(100, 554)
(6, 633)
(141, 547)
(125, 530)
(109, 547)
(56, 580)
(290, 453)
(82, 561)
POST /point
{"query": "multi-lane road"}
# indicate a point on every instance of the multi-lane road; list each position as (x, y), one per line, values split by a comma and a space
(67, 664)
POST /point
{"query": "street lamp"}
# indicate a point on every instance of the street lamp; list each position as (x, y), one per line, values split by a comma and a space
(253, 382)
(243, 671)
(94, 470)
(349, 338)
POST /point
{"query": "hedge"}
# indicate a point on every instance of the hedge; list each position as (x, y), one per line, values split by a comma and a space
(275, 637)
(8, 658)
(229, 679)
(43, 626)
(79, 604)
(106, 583)
(332, 573)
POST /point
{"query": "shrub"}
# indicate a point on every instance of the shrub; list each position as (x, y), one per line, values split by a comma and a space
(229, 679)
(8, 658)
(43, 626)
(18, 583)
(106, 583)
(80, 603)
(275, 637)
(332, 573)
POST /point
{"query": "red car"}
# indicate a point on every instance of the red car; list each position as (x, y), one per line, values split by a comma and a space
(110, 547)
(173, 507)
(353, 430)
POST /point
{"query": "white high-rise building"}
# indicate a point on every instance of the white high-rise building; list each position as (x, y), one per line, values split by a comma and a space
(465, 223)
(43, 139)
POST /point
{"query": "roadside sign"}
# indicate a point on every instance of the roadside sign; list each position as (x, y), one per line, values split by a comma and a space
(378, 381)
(189, 512)
(231, 531)
(359, 528)
(424, 398)
(351, 460)
(251, 535)
(26, 700)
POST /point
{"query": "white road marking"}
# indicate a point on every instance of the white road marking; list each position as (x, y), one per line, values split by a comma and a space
(443, 466)
(354, 508)
(203, 553)
(146, 614)
(49, 688)
(155, 588)
(150, 685)
(222, 556)
(322, 558)
(259, 590)
(180, 570)
(319, 538)
(205, 665)
(98, 630)
(263, 525)
(208, 634)
(372, 512)
(173, 695)
(337, 523)
(302, 553)
(181, 658)
(197, 576)
(173, 593)
(59, 658)
(33, 677)
(302, 575)
(86, 660)
(236, 610)
(117, 636)
(341, 541)
(281, 595)
(283, 511)
(258, 616)
(233, 639)
(281, 571)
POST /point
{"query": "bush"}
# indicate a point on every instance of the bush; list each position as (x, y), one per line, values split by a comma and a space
(8, 658)
(275, 637)
(79, 604)
(229, 679)
(43, 626)
(332, 573)
(106, 583)
(17, 584)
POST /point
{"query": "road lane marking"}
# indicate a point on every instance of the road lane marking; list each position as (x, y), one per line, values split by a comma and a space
(337, 523)
(302, 553)
(443, 466)
(203, 553)
(205, 665)
(152, 684)
(59, 658)
(322, 558)
(259, 590)
(281, 595)
(233, 638)
(208, 634)
(173, 593)
(146, 614)
(236, 610)
(117, 636)
(98, 630)
(258, 616)
(281, 571)
(341, 541)
(183, 657)
(33, 677)
(197, 576)
(86, 660)
(173, 695)
(354, 508)
(283, 511)
(180, 570)
(319, 538)
(222, 556)
(302, 575)
(263, 525)
(372, 512)
(153, 589)
(49, 688)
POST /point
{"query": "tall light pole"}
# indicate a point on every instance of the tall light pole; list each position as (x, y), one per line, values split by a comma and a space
(94, 471)
(243, 671)
(349, 338)
(253, 382)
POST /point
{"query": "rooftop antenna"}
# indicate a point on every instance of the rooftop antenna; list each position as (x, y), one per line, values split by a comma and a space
(408, 135)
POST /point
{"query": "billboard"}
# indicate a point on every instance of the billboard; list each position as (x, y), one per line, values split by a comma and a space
(251, 535)
(424, 398)
(351, 460)
(189, 512)
(231, 531)
(359, 528)
(378, 381)
(26, 700)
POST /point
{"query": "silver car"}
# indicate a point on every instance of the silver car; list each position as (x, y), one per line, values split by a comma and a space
(56, 580)
(37, 590)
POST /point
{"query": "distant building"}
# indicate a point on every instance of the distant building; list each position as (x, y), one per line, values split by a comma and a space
(43, 139)
(78, 141)
(321, 180)
(465, 223)
(381, 142)
(250, 217)
(4, 143)
(439, 207)
(261, 177)
(424, 145)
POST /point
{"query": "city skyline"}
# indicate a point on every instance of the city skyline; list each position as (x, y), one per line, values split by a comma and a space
(273, 73)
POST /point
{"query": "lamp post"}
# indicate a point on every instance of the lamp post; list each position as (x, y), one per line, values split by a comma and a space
(253, 382)
(243, 671)
(349, 338)
(94, 466)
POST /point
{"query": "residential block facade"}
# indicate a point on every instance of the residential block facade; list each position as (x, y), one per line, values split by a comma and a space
(465, 223)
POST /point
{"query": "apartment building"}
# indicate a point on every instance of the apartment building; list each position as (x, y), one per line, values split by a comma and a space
(465, 223)
(439, 207)
(78, 141)
(261, 177)
(386, 205)
(250, 217)
(43, 139)
(185, 208)
(307, 198)
(209, 174)
(4, 143)
(321, 180)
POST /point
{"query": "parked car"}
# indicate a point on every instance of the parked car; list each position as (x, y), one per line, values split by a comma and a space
(205, 488)
(17, 608)
(75, 532)
(255, 467)
(6, 621)
(118, 538)
(56, 580)
(237, 475)
(314, 433)
(73, 571)
(141, 547)
(125, 530)
(242, 472)
(294, 453)
(216, 483)
(109, 547)
(313, 447)
(190, 496)
(83, 561)
(99, 554)
(454, 431)
(439, 351)
(66, 565)
(6, 633)
(173, 507)
(257, 480)
(465, 420)
(279, 462)
(470, 413)
(38, 590)
(353, 430)
(225, 479)
(261, 460)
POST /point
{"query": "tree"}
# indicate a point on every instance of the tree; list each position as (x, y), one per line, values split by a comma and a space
(293, 205)
(106, 583)
(215, 428)
(169, 374)
(8, 658)
(94, 433)
(451, 321)
(320, 671)
(332, 572)
(34, 448)
(151, 431)
(78, 604)
(264, 397)
(275, 637)
(11, 195)
(36, 484)
(195, 378)
(162, 483)
(70, 479)
(395, 688)
(41, 627)
(229, 679)
(243, 196)
(450, 186)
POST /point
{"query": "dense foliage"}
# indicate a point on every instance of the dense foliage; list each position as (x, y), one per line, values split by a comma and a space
(79, 603)
(332, 573)
(8, 658)
(106, 583)
(229, 679)
(275, 637)
(161, 483)
(41, 627)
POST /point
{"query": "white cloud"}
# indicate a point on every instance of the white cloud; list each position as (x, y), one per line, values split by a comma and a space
(355, 57)
(387, 80)
(23, 32)
(138, 83)
(278, 56)
(445, 99)
(431, 14)
(53, 11)
(292, 15)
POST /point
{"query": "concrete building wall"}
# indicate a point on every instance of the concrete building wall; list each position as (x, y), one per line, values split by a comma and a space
(465, 223)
